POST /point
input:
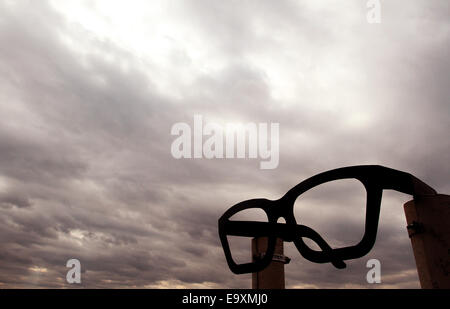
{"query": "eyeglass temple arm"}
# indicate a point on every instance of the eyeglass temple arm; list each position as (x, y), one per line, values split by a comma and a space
(373, 175)
(405, 182)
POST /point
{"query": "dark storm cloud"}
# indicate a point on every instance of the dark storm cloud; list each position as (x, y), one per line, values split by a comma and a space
(85, 164)
(15, 200)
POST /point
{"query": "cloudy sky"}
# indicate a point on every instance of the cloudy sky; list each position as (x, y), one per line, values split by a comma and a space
(89, 91)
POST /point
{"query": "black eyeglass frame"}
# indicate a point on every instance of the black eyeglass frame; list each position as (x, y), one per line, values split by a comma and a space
(374, 178)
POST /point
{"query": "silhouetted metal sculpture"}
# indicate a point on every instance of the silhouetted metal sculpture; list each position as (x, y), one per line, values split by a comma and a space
(374, 178)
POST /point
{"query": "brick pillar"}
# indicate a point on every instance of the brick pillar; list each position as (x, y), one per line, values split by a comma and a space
(273, 276)
(428, 221)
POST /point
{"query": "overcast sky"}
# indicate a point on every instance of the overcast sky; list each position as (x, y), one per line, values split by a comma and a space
(89, 91)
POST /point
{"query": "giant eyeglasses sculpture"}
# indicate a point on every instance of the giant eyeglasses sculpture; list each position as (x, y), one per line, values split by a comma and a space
(374, 178)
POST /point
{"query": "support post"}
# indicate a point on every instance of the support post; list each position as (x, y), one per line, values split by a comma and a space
(273, 276)
(428, 220)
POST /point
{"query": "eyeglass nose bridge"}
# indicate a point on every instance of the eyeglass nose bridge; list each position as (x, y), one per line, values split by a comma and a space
(281, 208)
